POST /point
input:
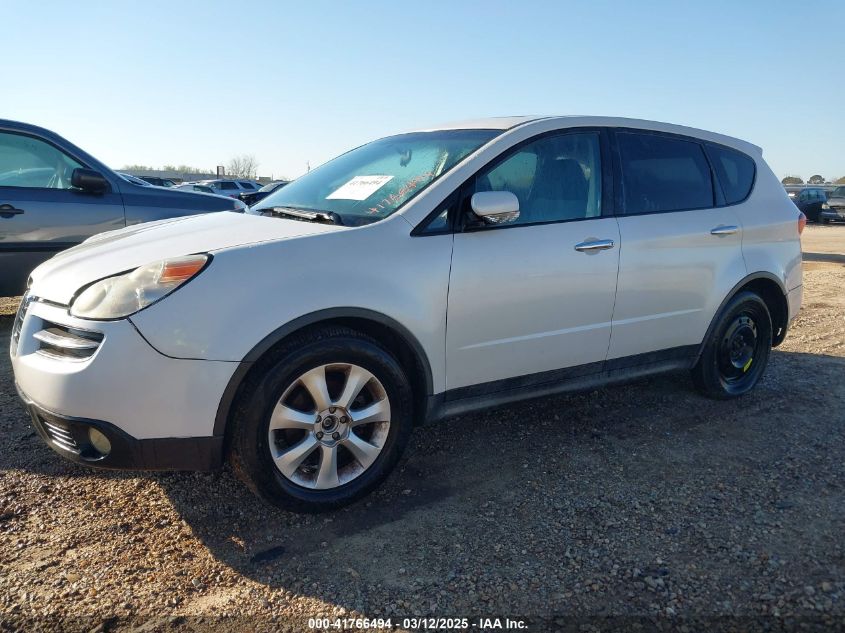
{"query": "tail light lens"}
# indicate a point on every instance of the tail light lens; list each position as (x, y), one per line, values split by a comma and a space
(802, 222)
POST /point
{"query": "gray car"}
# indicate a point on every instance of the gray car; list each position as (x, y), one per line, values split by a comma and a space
(835, 207)
(53, 196)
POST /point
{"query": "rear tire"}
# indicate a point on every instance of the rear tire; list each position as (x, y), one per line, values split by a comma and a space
(312, 453)
(737, 349)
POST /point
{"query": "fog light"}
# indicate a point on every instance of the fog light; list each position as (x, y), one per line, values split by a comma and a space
(99, 441)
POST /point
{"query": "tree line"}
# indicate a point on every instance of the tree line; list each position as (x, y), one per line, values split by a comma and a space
(243, 166)
(815, 179)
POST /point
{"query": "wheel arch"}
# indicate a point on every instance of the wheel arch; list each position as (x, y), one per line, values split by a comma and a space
(384, 329)
(771, 290)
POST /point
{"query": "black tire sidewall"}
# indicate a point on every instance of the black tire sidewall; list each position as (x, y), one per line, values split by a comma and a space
(710, 376)
(251, 435)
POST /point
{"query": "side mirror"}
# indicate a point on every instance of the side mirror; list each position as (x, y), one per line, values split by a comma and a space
(495, 207)
(89, 180)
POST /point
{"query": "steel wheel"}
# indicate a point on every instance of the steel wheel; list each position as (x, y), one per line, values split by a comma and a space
(329, 426)
(738, 349)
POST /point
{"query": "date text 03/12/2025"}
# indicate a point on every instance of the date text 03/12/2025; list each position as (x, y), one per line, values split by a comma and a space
(431, 624)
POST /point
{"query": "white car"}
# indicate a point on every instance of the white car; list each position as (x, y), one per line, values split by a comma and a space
(417, 277)
(230, 187)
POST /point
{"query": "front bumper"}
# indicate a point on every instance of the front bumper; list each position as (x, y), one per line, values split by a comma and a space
(158, 412)
(834, 213)
(70, 438)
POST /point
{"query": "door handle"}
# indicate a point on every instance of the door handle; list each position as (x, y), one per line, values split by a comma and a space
(591, 246)
(724, 230)
(7, 211)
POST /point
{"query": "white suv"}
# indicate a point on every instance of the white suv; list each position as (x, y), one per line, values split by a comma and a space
(416, 277)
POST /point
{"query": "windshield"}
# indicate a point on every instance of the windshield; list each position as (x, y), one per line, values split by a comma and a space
(371, 182)
(838, 192)
(270, 186)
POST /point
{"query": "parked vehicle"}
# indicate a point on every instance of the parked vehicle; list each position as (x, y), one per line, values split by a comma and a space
(835, 207)
(53, 196)
(250, 199)
(158, 182)
(793, 190)
(133, 179)
(193, 187)
(304, 339)
(812, 201)
(231, 188)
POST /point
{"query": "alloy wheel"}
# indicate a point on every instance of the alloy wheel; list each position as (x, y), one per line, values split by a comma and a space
(329, 426)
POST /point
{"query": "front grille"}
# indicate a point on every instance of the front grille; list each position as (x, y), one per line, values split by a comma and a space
(18, 323)
(60, 436)
(66, 343)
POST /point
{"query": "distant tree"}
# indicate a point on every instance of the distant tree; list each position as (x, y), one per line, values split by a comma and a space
(243, 166)
(840, 180)
(816, 179)
(792, 180)
(137, 168)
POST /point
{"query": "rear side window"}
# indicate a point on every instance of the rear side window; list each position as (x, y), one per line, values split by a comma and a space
(246, 185)
(734, 170)
(662, 174)
(228, 184)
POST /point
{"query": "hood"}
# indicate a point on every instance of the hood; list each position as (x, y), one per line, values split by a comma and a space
(836, 202)
(113, 252)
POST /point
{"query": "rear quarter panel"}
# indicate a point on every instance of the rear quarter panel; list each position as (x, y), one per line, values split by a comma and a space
(770, 240)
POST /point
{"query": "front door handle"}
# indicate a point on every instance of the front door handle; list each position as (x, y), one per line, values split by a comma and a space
(591, 246)
(7, 211)
(724, 230)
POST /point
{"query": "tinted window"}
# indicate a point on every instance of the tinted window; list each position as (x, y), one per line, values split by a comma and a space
(734, 170)
(554, 178)
(227, 184)
(30, 162)
(246, 185)
(663, 174)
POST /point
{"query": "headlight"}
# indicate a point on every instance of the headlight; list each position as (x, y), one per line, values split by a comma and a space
(119, 296)
(825, 205)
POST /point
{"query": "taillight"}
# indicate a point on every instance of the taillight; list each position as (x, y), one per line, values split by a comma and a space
(802, 222)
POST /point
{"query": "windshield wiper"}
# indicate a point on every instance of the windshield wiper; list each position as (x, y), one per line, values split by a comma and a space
(322, 217)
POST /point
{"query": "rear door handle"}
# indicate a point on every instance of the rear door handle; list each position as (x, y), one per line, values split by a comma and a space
(591, 246)
(724, 230)
(7, 210)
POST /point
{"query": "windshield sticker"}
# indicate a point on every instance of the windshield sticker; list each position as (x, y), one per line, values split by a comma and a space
(359, 188)
(398, 197)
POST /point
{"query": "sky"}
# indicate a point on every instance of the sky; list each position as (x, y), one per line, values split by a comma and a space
(296, 83)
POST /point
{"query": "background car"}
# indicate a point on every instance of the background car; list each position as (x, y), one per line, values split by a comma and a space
(133, 179)
(53, 195)
(810, 201)
(250, 199)
(793, 190)
(835, 206)
(231, 188)
(194, 187)
(158, 182)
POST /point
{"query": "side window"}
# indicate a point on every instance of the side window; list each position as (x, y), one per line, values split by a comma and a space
(30, 162)
(734, 170)
(246, 185)
(228, 184)
(662, 174)
(554, 178)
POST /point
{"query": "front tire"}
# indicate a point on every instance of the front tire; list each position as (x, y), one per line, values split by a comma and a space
(322, 421)
(737, 350)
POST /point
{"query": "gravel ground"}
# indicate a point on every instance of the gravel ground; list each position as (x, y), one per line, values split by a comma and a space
(644, 500)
